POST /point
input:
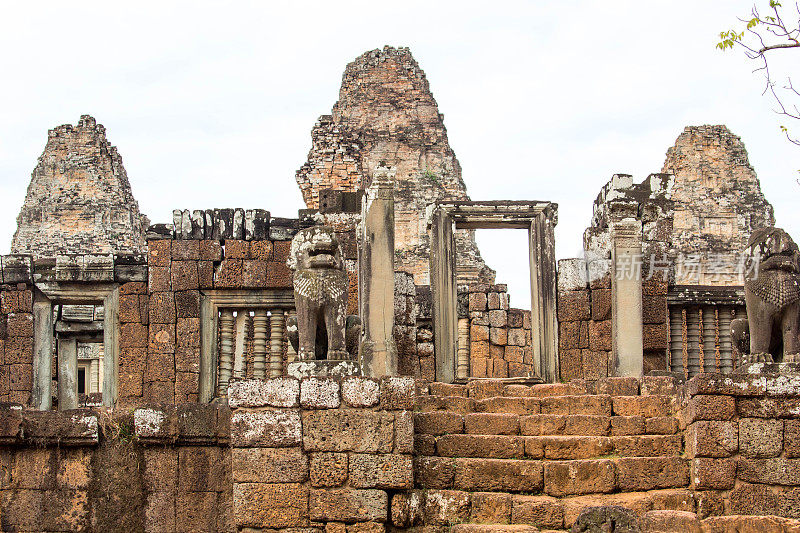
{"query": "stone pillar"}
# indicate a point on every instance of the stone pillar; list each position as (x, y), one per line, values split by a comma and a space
(377, 351)
(42, 352)
(462, 368)
(544, 330)
(444, 296)
(626, 293)
(67, 374)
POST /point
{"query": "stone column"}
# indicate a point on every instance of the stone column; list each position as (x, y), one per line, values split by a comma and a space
(626, 285)
(260, 343)
(377, 351)
(225, 350)
(276, 326)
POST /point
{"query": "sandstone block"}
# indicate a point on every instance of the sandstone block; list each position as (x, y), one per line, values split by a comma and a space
(661, 425)
(759, 437)
(397, 393)
(498, 475)
(745, 385)
(543, 512)
(666, 521)
(601, 304)
(319, 393)
(600, 335)
(648, 446)
(162, 308)
(384, 471)
(272, 505)
(709, 407)
(184, 276)
(491, 424)
(269, 465)
(713, 473)
(403, 432)
(768, 407)
(509, 405)
(570, 447)
(618, 386)
(628, 425)
(348, 505)
(773, 471)
(477, 301)
(277, 392)
(267, 428)
(355, 430)
(491, 507)
(648, 473)
(594, 364)
(438, 422)
(434, 472)
(647, 406)
(159, 278)
(712, 438)
(328, 469)
(791, 438)
(574, 305)
(196, 511)
(495, 446)
(563, 478)
(360, 392)
(482, 389)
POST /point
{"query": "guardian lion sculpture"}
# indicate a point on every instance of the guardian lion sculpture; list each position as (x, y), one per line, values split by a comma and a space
(322, 329)
(772, 296)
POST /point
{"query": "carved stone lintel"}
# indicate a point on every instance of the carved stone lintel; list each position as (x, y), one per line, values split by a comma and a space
(324, 368)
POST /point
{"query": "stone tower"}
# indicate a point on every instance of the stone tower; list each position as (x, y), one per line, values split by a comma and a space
(717, 196)
(79, 200)
(387, 116)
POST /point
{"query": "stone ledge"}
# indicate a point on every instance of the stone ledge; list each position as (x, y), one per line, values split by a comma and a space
(77, 427)
(183, 424)
(745, 385)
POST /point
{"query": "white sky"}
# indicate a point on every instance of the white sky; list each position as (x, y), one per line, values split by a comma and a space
(212, 105)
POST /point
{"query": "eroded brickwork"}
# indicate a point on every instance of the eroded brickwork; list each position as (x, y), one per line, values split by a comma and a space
(386, 115)
(79, 200)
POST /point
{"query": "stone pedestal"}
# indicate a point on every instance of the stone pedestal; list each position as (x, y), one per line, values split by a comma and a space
(377, 352)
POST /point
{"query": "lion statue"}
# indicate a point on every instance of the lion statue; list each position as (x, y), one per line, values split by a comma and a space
(772, 296)
(322, 329)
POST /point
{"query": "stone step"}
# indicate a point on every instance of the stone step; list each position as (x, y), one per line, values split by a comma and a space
(451, 422)
(555, 478)
(652, 406)
(480, 389)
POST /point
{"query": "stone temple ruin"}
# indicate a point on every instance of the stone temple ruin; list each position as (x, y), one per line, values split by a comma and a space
(358, 368)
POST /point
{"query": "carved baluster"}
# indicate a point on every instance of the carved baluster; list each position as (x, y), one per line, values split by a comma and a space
(225, 350)
(676, 339)
(462, 365)
(239, 352)
(709, 339)
(260, 344)
(725, 342)
(291, 355)
(693, 341)
(277, 326)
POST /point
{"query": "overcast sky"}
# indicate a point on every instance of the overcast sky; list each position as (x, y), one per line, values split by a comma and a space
(211, 104)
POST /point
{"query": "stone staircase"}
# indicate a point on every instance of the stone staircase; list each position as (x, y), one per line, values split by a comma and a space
(512, 456)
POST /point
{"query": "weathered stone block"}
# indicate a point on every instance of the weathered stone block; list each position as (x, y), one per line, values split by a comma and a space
(497, 446)
(647, 406)
(648, 473)
(791, 438)
(328, 469)
(268, 428)
(277, 392)
(648, 445)
(354, 430)
(661, 425)
(543, 512)
(713, 473)
(712, 438)
(184, 276)
(774, 471)
(445, 507)
(628, 425)
(385, 471)
(477, 301)
(491, 424)
(162, 308)
(360, 392)
(759, 437)
(403, 432)
(709, 407)
(768, 407)
(269, 465)
(498, 475)
(319, 393)
(272, 505)
(203, 468)
(563, 478)
(434, 472)
(601, 304)
(600, 335)
(162, 339)
(491, 508)
(348, 505)
(574, 305)
(397, 393)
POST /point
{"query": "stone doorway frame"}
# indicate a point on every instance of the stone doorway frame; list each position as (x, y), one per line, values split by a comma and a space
(48, 294)
(540, 219)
